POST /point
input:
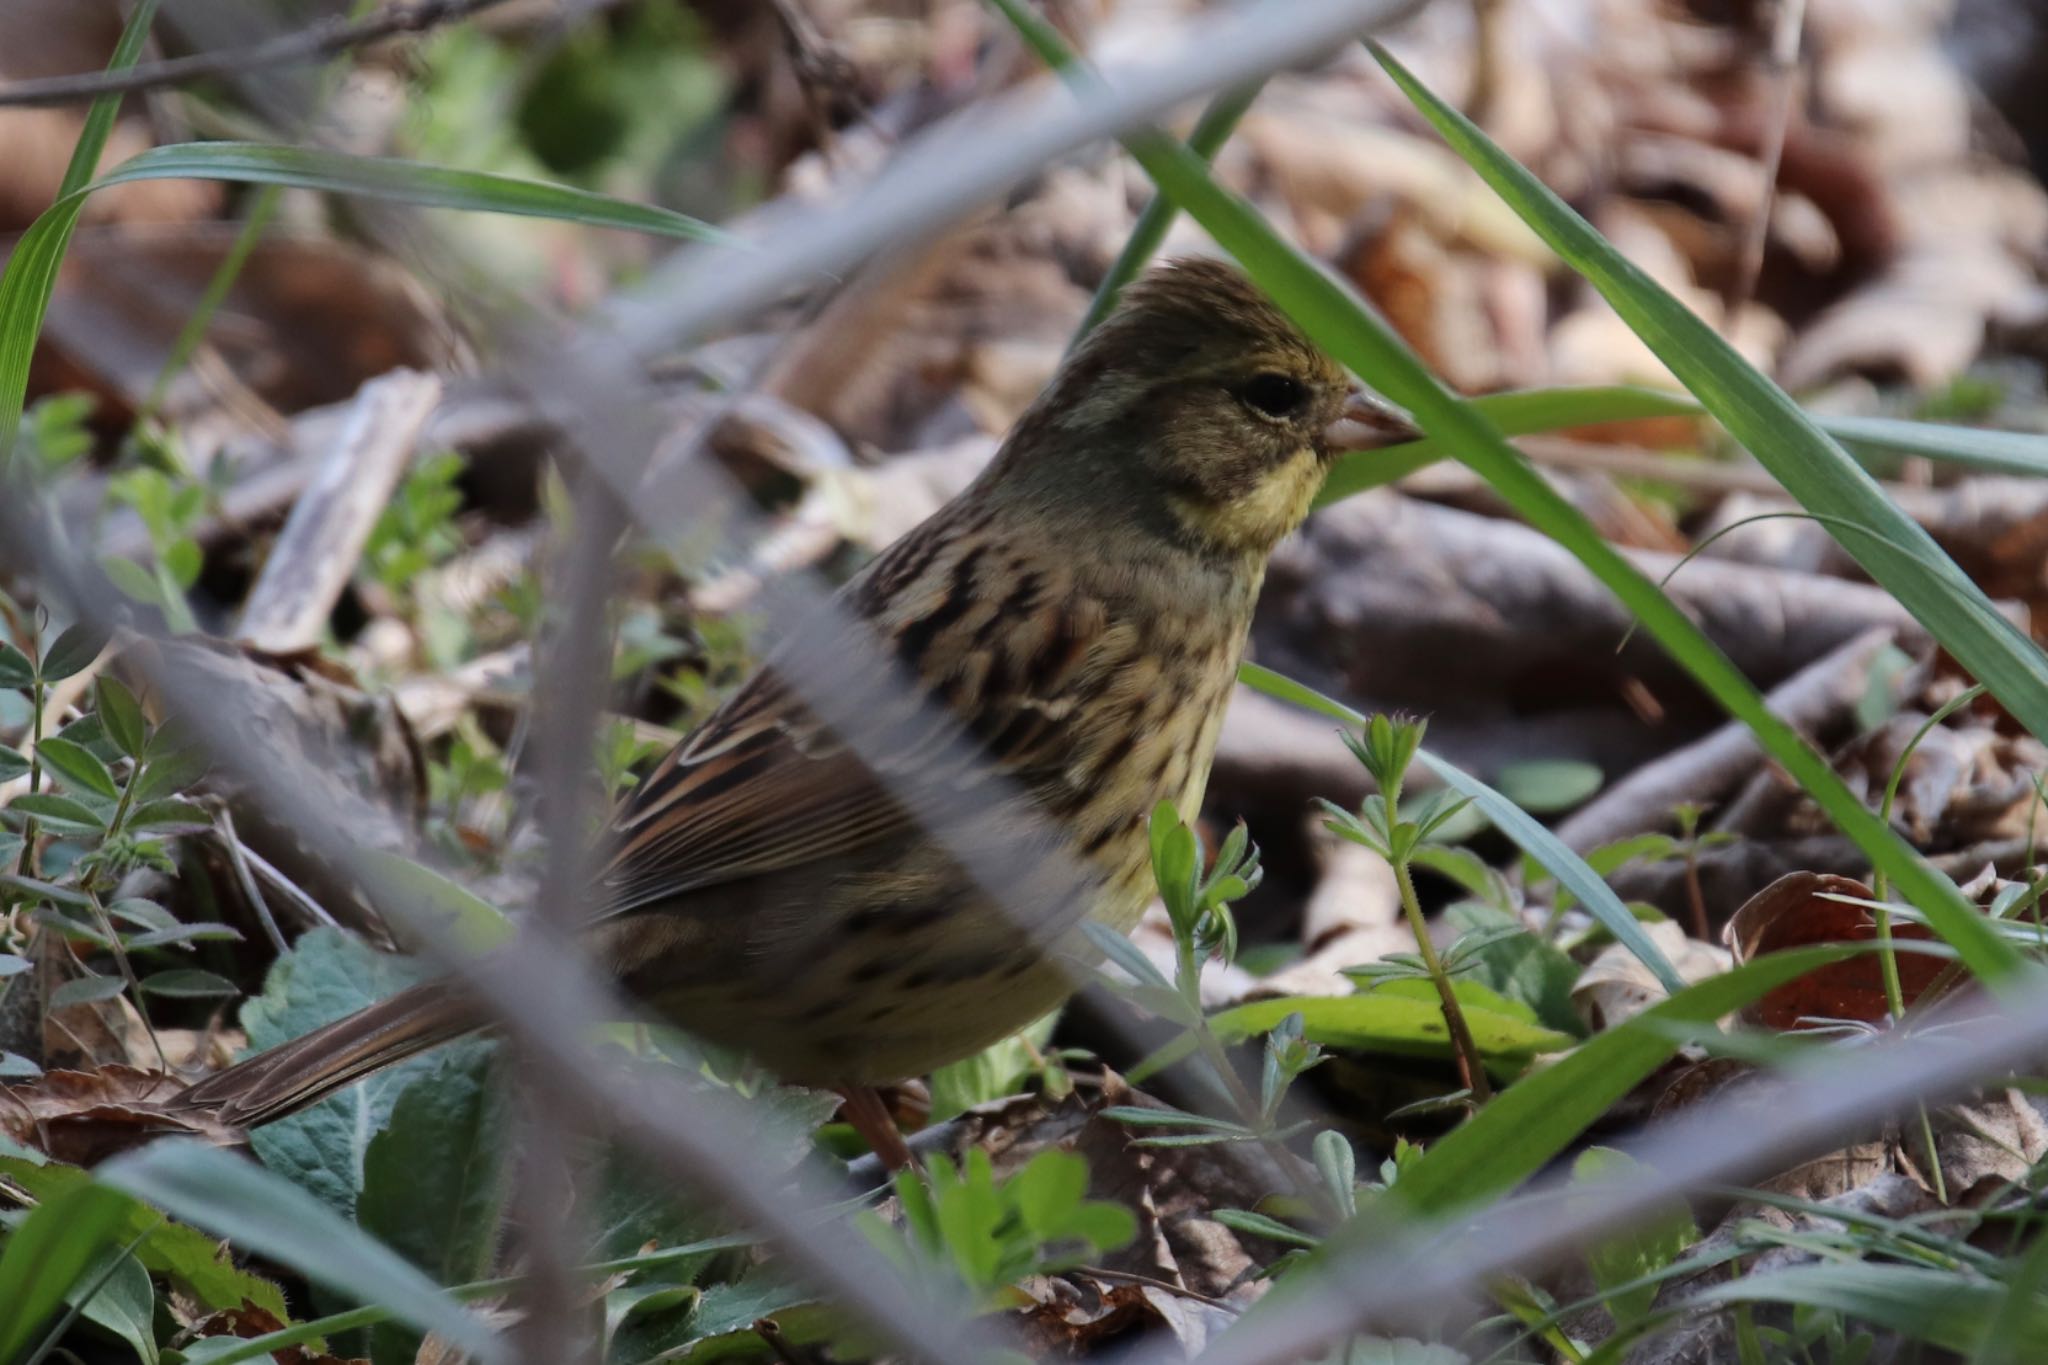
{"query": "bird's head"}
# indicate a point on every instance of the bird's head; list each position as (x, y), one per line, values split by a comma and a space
(1201, 400)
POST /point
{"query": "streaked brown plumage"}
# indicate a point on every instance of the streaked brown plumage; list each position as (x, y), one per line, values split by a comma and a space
(1074, 618)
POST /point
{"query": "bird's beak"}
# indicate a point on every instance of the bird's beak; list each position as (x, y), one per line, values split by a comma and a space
(1368, 422)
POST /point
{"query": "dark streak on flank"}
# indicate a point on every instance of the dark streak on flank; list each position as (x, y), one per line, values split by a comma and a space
(1063, 649)
(915, 639)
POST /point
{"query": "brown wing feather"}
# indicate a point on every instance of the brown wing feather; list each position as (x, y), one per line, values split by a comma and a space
(758, 788)
(763, 786)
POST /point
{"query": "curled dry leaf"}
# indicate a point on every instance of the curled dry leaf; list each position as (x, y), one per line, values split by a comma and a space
(1797, 911)
(84, 1117)
(1616, 986)
(1073, 1314)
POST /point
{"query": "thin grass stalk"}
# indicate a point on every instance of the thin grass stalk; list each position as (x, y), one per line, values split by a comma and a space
(262, 208)
(1218, 121)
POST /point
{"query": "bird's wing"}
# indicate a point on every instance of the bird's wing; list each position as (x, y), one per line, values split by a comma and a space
(761, 786)
(764, 785)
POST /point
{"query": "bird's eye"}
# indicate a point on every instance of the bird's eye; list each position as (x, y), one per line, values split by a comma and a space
(1276, 395)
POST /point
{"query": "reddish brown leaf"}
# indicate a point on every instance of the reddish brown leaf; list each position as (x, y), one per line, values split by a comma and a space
(250, 1321)
(1794, 912)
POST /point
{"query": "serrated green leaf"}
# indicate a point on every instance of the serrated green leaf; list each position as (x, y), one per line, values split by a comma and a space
(194, 1262)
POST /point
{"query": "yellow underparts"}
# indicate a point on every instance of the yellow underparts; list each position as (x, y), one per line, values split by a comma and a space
(1261, 518)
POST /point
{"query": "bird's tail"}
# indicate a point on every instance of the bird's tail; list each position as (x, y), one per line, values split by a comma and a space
(285, 1079)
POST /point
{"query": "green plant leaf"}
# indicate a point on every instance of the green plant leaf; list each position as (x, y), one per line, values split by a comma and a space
(120, 714)
(1527, 411)
(124, 1304)
(51, 1251)
(189, 983)
(1645, 1247)
(74, 648)
(272, 1217)
(1522, 966)
(1896, 551)
(1945, 1308)
(193, 1261)
(1387, 1021)
(12, 764)
(60, 814)
(16, 668)
(1544, 786)
(327, 975)
(1538, 842)
(76, 766)
(32, 268)
(1517, 413)
(170, 815)
(474, 922)
(433, 1181)
(86, 990)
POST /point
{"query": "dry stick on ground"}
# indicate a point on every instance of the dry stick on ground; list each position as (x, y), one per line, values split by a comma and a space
(1702, 772)
(316, 554)
(312, 44)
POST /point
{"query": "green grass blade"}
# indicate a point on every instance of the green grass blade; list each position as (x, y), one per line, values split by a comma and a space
(1218, 121)
(1517, 413)
(1530, 836)
(32, 270)
(1524, 412)
(32, 266)
(99, 119)
(443, 187)
(1813, 469)
(262, 1212)
(262, 208)
(2002, 452)
(47, 1254)
(1353, 334)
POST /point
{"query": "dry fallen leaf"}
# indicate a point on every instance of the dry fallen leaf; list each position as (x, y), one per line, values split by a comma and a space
(84, 1117)
(1796, 911)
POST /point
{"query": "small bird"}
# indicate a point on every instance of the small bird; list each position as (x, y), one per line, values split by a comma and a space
(1072, 622)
